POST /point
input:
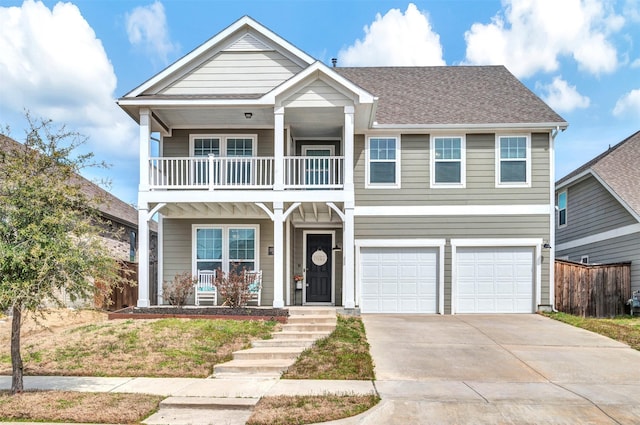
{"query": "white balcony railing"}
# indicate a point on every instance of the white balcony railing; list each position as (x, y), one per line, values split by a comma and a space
(209, 173)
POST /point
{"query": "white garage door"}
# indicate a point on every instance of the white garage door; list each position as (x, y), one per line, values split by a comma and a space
(398, 280)
(495, 280)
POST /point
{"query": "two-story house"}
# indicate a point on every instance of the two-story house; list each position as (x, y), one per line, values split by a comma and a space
(390, 189)
(598, 209)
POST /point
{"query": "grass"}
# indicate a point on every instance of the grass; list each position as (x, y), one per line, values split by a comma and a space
(66, 406)
(299, 410)
(342, 355)
(165, 347)
(625, 329)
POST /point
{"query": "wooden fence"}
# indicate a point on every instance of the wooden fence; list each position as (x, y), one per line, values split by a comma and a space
(594, 290)
(119, 298)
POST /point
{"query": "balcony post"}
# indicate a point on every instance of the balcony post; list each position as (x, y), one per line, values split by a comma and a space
(143, 255)
(278, 142)
(278, 254)
(145, 148)
(210, 171)
(349, 112)
(348, 251)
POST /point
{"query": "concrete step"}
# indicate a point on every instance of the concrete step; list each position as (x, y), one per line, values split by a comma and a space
(263, 353)
(199, 416)
(309, 327)
(268, 367)
(300, 335)
(312, 311)
(302, 343)
(209, 403)
(311, 319)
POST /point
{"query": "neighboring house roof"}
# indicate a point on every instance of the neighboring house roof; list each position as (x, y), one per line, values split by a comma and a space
(618, 168)
(111, 207)
(442, 95)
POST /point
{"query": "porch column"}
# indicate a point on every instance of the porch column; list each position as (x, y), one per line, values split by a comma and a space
(348, 251)
(143, 256)
(348, 147)
(145, 148)
(278, 148)
(278, 254)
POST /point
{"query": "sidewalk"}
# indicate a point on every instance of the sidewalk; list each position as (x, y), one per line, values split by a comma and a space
(231, 389)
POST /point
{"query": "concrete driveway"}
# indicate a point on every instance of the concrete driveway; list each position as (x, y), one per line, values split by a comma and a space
(499, 369)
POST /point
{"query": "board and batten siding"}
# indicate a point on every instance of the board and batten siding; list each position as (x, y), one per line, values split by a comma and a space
(178, 144)
(480, 180)
(481, 227)
(236, 72)
(178, 249)
(614, 250)
(297, 252)
(591, 209)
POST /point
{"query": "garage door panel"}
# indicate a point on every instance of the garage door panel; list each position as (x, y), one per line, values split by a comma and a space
(398, 279)
(494, 280)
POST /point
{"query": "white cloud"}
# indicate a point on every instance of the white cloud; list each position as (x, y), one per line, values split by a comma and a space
(629, 104)
(52, 64)
(531, 36)
(562, 97)
(632, 10)
(396, 39)
(635, 63)
(147, 27)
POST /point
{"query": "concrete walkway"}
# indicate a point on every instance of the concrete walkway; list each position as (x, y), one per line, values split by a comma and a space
(498, 369)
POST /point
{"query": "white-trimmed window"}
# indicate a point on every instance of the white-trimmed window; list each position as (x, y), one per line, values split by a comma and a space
(230, 146)
(562, 209)
(383, 162)
(584, 259)
(448, 161)
(225, 247)
(513, 161)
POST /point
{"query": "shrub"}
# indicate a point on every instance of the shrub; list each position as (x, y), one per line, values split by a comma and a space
(179, 289)
(233, 288)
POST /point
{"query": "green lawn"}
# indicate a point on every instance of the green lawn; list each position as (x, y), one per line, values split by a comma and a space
(625, 329)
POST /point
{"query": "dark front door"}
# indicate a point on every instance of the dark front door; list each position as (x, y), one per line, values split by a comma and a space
(319, 265)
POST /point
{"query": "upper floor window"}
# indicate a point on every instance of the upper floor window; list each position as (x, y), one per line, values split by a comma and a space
(383, 162)
(513, 165)
(562, 209)
(448, 162)
(223, 145)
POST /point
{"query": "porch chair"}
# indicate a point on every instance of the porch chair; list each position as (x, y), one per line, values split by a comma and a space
(254, 280)
(206, 288)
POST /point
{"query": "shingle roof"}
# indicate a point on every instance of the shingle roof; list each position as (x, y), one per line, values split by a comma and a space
(619, 167)
(451, 95)
(112, 207)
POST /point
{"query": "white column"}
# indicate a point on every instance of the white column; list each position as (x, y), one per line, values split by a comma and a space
(278, 148)
(160, 259)
(143, 256)
(348, 147)
(348, 247)
(287, 269)
(145, 147)
(278, 254)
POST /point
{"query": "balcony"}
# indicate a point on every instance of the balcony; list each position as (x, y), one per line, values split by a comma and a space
(238, 173)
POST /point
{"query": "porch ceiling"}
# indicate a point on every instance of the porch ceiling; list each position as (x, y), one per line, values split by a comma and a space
(305, 213)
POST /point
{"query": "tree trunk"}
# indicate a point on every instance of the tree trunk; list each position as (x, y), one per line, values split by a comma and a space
(16, 360)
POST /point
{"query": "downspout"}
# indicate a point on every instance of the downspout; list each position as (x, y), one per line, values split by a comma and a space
(552, 218)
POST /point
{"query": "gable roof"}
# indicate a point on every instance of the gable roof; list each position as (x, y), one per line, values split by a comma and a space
(446, 95)
(618, 168)
(112, 208)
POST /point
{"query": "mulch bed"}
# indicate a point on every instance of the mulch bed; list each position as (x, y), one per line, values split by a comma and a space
(161, 312)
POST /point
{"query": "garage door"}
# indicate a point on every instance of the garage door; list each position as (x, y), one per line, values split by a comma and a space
(494, 280)
(398, 280)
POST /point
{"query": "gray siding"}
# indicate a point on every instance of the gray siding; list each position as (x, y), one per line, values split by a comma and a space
(236, 73)
(178, 249)
(178, 144)
(534, 226)
(621, 249)
(480, 182)
(591, 209)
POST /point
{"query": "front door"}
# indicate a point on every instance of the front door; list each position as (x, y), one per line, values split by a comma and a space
(318, 259)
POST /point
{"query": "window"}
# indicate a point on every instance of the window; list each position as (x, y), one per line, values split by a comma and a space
(448, 162)
(225, 247)
(562, 209)
(584, 259)
(383, 167)
(237, 172)
(514, 161)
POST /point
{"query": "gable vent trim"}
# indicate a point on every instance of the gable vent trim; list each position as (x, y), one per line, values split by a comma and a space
(247, 43)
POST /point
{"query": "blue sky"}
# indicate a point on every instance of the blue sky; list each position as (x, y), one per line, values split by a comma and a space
(69, 61)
